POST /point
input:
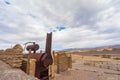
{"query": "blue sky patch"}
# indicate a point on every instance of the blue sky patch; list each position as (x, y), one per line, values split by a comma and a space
(61, 28)
(53, 30)
(7, 2)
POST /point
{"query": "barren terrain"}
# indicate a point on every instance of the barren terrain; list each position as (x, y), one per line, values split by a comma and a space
(91, 68)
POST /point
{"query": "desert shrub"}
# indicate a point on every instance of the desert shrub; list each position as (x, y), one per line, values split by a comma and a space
(116, 58)
(86, 63)
(106, 56)
(96, 55)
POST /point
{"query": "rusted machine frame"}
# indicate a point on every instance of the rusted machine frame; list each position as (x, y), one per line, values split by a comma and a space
(46, 59)
(43, 60)
(33, 47)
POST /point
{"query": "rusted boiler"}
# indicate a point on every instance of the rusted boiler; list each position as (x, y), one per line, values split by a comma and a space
(33, 47)
(42, 60)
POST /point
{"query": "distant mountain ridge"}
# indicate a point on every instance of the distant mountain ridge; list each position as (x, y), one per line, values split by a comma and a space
(94, 48)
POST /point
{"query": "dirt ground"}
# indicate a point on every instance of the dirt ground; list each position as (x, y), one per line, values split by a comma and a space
(80, 71)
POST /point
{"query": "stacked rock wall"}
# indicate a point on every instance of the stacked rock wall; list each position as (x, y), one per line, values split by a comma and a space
(63, 61)
(12, 56)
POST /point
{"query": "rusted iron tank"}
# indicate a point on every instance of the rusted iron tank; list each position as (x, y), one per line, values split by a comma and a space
(33, 47)
(42, 60)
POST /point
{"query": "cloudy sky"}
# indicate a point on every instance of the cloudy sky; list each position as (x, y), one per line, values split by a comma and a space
(74, 23)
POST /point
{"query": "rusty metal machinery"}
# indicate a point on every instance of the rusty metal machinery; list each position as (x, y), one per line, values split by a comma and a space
(42, 60)
(34, 47)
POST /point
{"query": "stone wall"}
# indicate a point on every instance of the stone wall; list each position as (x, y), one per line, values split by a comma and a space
(12, 56)
(63, 61)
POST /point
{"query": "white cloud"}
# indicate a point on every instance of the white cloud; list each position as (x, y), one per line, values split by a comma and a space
(88, 23)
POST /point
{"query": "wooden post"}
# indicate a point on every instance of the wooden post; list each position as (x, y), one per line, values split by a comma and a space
(51, 69)
(32, 67)
(70, 61)
(53, 66)
(49, 72)
(58, 64)
(28, 62)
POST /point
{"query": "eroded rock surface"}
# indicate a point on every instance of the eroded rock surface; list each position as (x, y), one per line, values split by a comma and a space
(8, 73)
